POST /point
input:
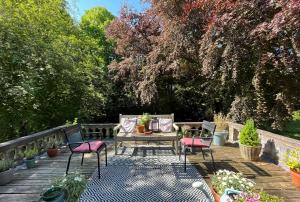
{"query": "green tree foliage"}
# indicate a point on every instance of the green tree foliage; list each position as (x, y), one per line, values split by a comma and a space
(48, 67)
(218, 55)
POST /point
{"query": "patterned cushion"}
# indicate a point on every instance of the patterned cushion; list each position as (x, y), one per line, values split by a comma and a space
(95, 145)
(128, 125)
(165, 125)
(197, 142)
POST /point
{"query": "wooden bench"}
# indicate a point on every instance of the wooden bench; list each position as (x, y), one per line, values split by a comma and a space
(155, 136)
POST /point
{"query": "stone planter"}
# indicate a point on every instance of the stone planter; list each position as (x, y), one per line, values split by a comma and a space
(215, 195)
(30, 163)
(6, 176)
(295, 178)
(250, 153)
(220, 138)
(52, 152)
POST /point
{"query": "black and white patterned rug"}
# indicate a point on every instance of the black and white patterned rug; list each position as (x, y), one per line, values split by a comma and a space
(146, 174)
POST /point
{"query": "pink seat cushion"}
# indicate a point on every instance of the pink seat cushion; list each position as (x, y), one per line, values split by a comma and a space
(197, 142)
(95, 145)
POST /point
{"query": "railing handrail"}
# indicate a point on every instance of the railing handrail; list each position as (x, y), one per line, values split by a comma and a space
(283, 138)
(29, 138)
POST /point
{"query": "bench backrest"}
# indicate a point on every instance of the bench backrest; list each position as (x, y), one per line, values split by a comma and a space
(162, 116)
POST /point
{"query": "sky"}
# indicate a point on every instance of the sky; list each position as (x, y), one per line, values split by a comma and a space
(78, 7)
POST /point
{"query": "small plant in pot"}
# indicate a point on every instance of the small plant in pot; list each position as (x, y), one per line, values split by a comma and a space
(6, 171)
(221, 132)
(250, 145)
(73, 183)
(224, 179)
(30, 157)
(52, 151)
(145, 120)
(292, 160)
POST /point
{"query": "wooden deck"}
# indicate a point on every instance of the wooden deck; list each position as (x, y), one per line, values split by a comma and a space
(29, 184)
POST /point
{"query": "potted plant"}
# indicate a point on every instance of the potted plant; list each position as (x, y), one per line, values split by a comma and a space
(221, 132)
(292, 159)
(250, 146)
(30, 157)
(74, 183)
(6, 171)
(262, 196)
(145, 120)
(52, 151)
(224, 179)
(55, 194)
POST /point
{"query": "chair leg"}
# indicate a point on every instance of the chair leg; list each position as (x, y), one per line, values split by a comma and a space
(179, 153)
(69, 163)
(82, 158)
(202, 153)
(105, 155)
(98, 158)
(184, 158)
(212, 158)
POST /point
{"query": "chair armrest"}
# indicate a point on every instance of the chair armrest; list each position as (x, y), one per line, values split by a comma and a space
(175, 127)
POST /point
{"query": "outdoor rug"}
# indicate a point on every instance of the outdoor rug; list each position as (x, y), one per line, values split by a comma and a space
(146, 174)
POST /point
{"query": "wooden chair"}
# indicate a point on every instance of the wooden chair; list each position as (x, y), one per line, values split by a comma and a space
(78, 145)
(203, 142)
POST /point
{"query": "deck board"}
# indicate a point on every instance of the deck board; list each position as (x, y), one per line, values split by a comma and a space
(29, 184)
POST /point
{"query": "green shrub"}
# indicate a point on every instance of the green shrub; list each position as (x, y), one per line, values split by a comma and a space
(30, 153)
(292, 159)
(5, 165)
(296, 115)
(74, 183)
(249, 135)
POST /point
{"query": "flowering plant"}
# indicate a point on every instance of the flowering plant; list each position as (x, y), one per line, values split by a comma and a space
(258, 197)
(292, 159)
(227, 179)
(74, 183)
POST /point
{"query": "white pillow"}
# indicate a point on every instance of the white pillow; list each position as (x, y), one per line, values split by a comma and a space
(165, 125)
(128, 125)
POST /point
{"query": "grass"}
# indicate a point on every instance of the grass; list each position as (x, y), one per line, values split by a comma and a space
(292, 128)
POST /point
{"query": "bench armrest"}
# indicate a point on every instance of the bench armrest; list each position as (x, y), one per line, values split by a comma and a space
(175, 127)
(116, 128)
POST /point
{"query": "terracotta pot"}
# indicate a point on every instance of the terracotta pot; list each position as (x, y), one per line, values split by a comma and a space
(295, 178)
(140, 128)
(52, 152)
(6, 176)
(215, 195)
(250, 153)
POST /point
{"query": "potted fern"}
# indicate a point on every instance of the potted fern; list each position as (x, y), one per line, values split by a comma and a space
(30, 157)
(221, 132)
(292, 160)
(6, 171)
(250, 145)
